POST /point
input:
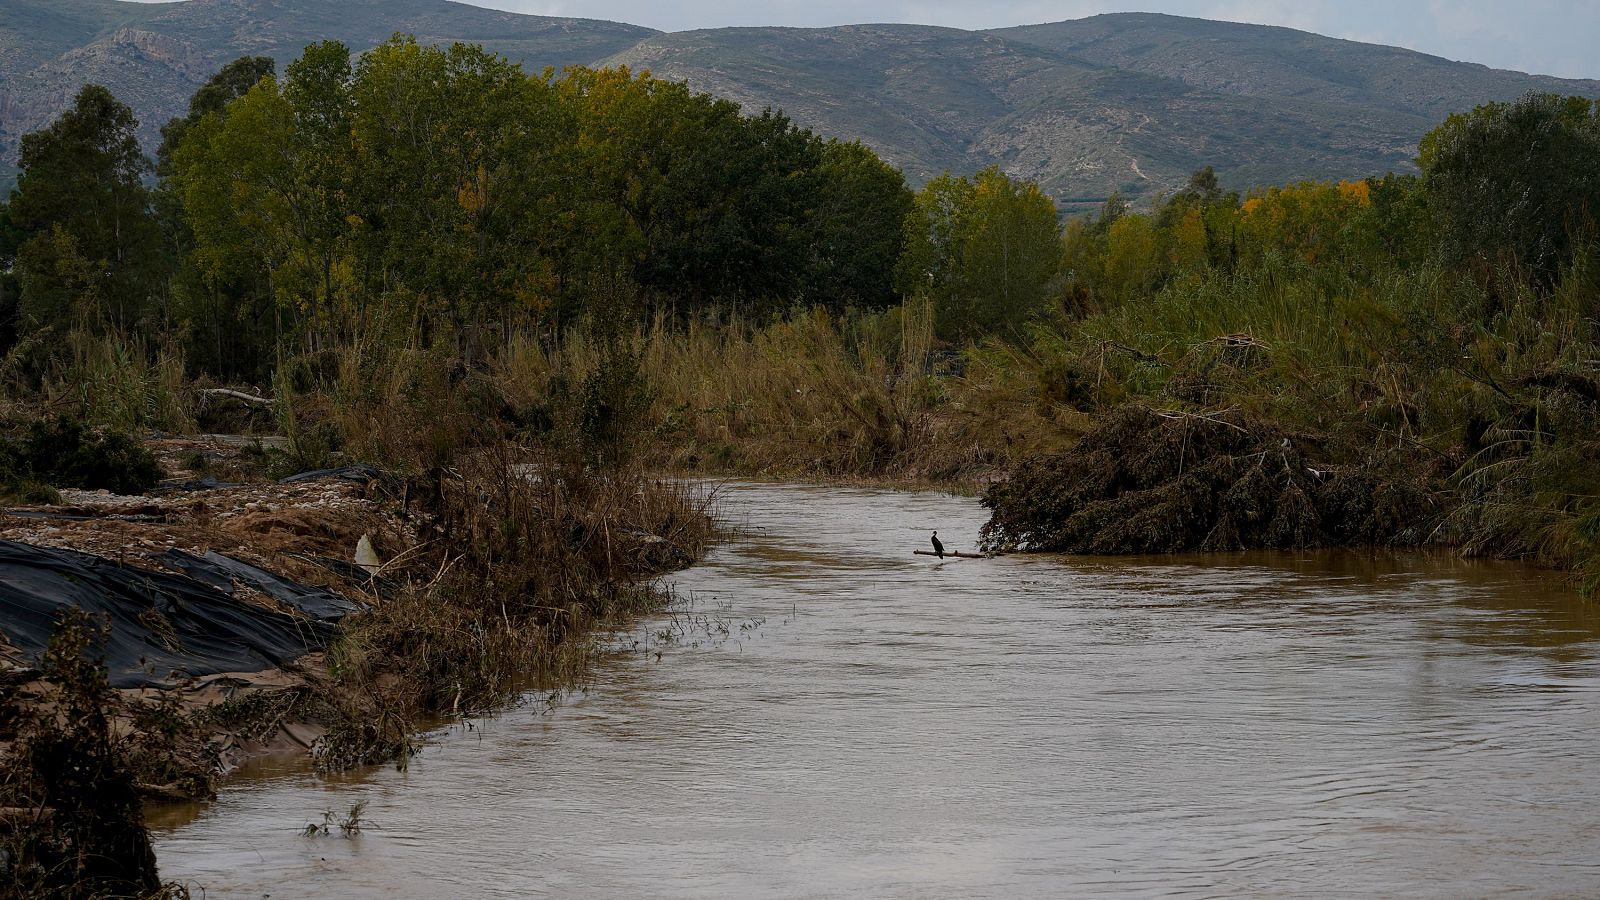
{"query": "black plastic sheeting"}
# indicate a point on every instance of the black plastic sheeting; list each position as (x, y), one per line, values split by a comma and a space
(221, 572)
(196, 485)
(359, 474)
(349, 571)
(161, 625)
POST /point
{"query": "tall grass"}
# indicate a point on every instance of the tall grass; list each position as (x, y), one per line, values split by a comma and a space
(102, 377)
(862, 395)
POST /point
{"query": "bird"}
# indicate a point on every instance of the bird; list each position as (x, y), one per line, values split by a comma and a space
(938, 548)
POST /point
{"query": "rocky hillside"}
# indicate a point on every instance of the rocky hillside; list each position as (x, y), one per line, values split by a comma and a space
(1130, 102)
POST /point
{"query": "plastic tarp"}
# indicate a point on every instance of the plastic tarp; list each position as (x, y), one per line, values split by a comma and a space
(359, 474)
(221, 572)
(161, 625)
(349, 571)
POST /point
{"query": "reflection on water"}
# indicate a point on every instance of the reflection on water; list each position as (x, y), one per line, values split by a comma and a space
(856, 721)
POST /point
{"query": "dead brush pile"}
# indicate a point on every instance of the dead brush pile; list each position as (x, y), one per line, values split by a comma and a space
(1156, 481)
(523, 558)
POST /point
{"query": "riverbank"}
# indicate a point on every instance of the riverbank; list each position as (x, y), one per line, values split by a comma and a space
(360, 606)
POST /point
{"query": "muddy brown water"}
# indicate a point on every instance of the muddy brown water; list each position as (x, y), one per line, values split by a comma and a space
(835, 717)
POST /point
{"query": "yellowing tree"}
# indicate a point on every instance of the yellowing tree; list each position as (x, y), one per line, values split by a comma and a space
(1189, 252)
(1132, 262)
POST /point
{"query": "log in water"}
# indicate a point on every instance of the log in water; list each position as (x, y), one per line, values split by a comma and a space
(836, 718)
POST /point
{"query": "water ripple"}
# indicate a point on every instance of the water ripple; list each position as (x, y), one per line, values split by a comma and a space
(1217, 726)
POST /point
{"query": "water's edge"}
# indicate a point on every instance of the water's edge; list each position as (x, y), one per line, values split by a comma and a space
(832, 716)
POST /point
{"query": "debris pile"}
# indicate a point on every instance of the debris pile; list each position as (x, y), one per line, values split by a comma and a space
(1161, 481)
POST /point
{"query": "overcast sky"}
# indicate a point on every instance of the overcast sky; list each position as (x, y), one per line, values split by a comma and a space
(1551, 37)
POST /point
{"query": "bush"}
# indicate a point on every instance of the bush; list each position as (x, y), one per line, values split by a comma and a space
(66, 453)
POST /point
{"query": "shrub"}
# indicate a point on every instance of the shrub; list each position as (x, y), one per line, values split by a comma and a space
(65, 453)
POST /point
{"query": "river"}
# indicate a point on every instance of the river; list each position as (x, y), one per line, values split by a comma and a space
(831, 716)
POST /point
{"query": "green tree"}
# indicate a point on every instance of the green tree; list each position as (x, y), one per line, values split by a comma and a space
(11, 238)
(266, 191)
(231, 82)
(697, 201)
(450, 158)
(220, 324)
(856, 234)
(1515, 184)
(985, 248)
(235, 178)
(82, 176)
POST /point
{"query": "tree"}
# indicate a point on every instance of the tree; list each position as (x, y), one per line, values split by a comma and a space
(1132, 262)
(1515, 184)
(856, 231)
(82, 176)
(450, 167)
(231, 175)
(231, 82)
(216, 321)
(11, 238)
(985, 248)
(266, 189)
(1203, 187)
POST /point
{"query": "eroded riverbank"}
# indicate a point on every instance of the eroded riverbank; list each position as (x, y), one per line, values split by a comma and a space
(874, 723)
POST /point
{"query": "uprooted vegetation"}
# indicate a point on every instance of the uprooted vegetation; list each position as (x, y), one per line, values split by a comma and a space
(517, 565)
(73, 825)
(1156, 481)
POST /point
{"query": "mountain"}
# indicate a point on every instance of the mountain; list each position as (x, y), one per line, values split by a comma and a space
(1285, 64)
(154, 55)
(1130, 101)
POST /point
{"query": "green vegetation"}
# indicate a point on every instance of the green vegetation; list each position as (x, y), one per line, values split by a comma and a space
(518, 293)
(984, 249)
(66, 453)
(428, 251)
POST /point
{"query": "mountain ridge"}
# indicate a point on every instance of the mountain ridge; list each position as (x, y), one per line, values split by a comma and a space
(1128, 102)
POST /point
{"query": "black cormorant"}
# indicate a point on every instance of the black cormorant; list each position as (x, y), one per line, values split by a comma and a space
(938, 548)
